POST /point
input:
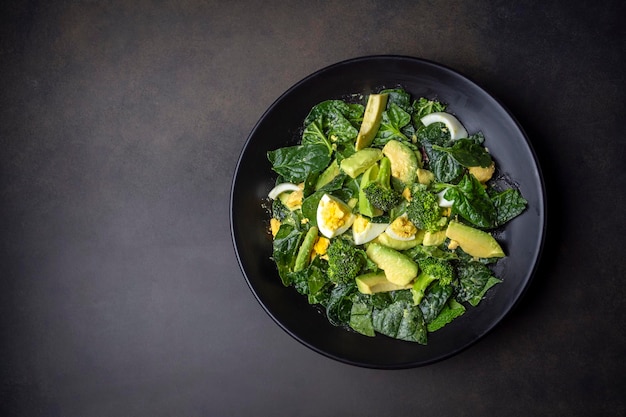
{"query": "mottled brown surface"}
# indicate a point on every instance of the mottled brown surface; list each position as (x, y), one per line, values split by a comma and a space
(120, 126)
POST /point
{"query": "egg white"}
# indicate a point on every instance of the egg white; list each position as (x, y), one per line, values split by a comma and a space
(369, 233)
(322, 211)
(456, 129)
(281, 188)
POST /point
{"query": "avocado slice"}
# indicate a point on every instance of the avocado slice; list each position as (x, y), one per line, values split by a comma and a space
(399, 268)
(424, 176)
(360, 161)
(403, 160)
(374, 282)
(474, 242)
(434, 238)
(376, 104)
(328, 175)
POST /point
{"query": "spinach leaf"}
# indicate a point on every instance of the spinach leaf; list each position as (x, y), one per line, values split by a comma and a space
(444, 166)
(509, 204)
(314, 133)
(296, 163)
(309, 206)
(401, 320)
(450, 311)
(361, 315)
(335, 118)
(423, 106)
(339, 306)
(434, 300)
(324, 109)
(433, 134)
(475, 279)
(467, 153)
(391, 124)
(284, 250)
(400, 98)
(472, 202)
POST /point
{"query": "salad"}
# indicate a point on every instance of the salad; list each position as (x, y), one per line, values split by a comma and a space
(384, 214)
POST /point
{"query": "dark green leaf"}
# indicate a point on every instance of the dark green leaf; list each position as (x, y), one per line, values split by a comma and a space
(339, 305)
(400, 98)
(509, 204)
(444, 166)
(401, 320)
(296, 163)
(334, 119)
(475, 279)
(434, 300)
(361, 315)
(314, 133)
(467, 153)
(423, 106)
(472, 202)
(284, 251)
(450, 311)
(392, 122)
(433, 134)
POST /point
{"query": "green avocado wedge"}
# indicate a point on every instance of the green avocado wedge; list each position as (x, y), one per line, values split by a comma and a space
(360, 161)
(399, 268)
(376, 104)
(375, 282)
(474, 242)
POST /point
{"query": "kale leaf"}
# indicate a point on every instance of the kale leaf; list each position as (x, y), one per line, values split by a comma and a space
(508, 204)
(401, 320)
(474, 280)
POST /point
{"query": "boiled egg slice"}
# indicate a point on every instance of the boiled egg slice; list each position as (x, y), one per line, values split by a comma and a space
(333, 216)
(364, 230)
(282, 188)
(402, 228)
(456, 129)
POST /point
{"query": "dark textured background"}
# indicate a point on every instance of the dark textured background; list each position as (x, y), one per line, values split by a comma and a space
(120, 126)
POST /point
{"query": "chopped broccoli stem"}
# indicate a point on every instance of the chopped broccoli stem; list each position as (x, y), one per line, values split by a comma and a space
(431, 269)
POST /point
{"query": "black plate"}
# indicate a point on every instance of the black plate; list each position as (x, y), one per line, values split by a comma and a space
(522, 238)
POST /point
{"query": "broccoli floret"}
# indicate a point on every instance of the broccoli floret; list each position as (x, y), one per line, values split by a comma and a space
(344, 261)
(431, 269)
(423, 209)
(379, 192)
(382, 198)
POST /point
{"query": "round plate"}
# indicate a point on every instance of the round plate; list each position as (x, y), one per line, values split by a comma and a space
(522, 238)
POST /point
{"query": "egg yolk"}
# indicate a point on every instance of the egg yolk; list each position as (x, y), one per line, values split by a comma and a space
(294, 200)
(274, 226)
(333, 215)
(321, 246)
(403, 227)
(483, 174)
(360, 224)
